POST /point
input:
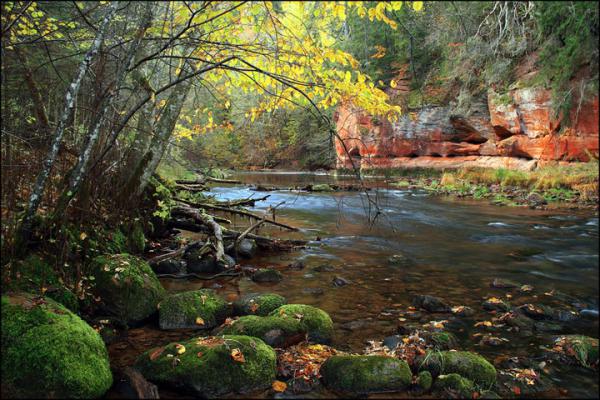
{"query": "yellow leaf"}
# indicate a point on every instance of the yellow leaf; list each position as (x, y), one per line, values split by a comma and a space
(237, 355)
(199, 321)
(180, 348)
(393, 83)
(417, 5)
(279, 386)
(82, 235)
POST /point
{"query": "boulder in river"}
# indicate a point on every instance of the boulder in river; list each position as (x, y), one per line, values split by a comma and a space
(196, 309)
(365, 374)
(276, 331)
(430, 303)
(127, 286)
(316, 322)
(267, 275)
(257, 303)
(467, 364)
(48, 351)
(171, 266)
(211, 366)
(246, 248)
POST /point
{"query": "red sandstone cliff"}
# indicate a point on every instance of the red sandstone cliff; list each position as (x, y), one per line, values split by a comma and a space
(515, 131)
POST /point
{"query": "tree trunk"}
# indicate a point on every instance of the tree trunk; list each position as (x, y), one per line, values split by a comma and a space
(80, 169)
(40, 184)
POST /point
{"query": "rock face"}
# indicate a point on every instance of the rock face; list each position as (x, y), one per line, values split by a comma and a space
(511, 130)
(49, 352)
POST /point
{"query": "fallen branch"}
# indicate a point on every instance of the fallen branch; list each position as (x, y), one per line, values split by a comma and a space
(203, 180)
(209, 221)
(173, 254)
(177, 212)
(190, 188)
(242, 202)
(236, 211)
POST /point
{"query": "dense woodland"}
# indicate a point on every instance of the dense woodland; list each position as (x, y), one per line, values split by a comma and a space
(118, 115)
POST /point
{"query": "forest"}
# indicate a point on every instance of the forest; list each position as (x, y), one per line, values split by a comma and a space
(299, 199)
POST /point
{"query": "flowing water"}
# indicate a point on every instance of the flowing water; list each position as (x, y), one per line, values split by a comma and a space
(455, 249)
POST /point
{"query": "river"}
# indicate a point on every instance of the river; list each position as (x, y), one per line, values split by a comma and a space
(452, 248)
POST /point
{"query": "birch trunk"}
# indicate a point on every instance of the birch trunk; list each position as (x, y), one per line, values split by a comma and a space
(40, 183)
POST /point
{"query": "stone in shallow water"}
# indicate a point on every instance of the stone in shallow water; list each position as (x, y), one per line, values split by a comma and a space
(500, 283)
(365, 374)
(430, 303)
(212, 366)
(267, 275)
(257, 303)
(315, 321)
(276, 331)
(339, 281)
(196, 309)
(469, 365)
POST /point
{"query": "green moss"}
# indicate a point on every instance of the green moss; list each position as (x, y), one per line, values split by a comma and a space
(258, 303)
(117, 242)
(47, 351)
(209, 369)
(424, 380)
(443, 340)
(469, 365)
(136, 239)
(363, 374)
(182, 310)
(276, 331)
(455, 382)
(315, 321)
(401, 184)
(127, 285)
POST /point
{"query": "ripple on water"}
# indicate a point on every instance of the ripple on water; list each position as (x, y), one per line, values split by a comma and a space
(500, 225)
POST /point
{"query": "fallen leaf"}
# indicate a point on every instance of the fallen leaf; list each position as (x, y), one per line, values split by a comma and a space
(253, 308)
(180, 348)
(203, 297)
(516, 390)
(199, 354)
(156, 353)
(82, 235)
(279, 386)
(199, 321)
(237, 355)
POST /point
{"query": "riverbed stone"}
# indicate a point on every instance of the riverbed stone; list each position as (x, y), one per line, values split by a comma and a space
(267, 275)
(171, 266)
(246, 248)
(495, 304)
(316, 322)
(199, 261)
(399, 260)
(196, 309)
(276, 331)
(467, 364)
(48, 351)
(365, 374)
(339, 281)
(579, 349)
(212, 366)
(430, 303)
(257, 303)
(127, 286)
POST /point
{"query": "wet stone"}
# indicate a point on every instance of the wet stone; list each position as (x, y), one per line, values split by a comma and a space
(338, 281)
(313, 291)
(430, 303)
(296, 265)
(324, 268)
(500, 283)
(170, 267)
(267, 275)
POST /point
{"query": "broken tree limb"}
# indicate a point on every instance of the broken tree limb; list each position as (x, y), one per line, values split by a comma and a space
(243, 202)
(236, 211)
(190, 188)
(209, 221)
(173, 254)
(177, 212)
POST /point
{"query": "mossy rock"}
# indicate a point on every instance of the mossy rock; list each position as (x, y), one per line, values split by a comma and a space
(424, 380)
(440, 340)
(127, 285)
(49, 352)
(469, 365)
(316, 322)
(37, 273)
(463, 386)
(584, 348)
(207, 365)
(196, 309)
(136, 240)
(267, 275)
(257, 303)
(364, 374)
(322, 187)
(276, 331)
